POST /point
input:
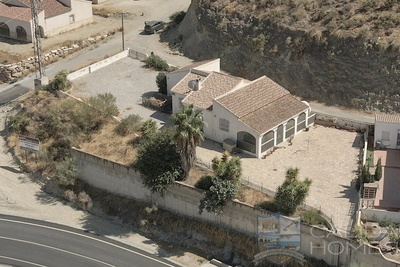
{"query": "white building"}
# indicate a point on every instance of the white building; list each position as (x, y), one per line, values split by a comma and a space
(55, 16)
(387, 131)
(255, 115)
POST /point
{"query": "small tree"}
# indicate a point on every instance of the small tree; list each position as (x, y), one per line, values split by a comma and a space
(378, 170)
(188, 124)
(292, 193)
(221, 187)
(366, 176)
(161, 81)
(158, 162)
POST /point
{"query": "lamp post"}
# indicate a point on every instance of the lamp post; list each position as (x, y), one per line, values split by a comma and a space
(123, 37)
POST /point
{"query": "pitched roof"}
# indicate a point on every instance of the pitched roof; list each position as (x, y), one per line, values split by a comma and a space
(253, 96)
(215, 85)
(262, 104)
(195, 65)
(182, 86)
(383, 117)
(51, 8)
(274, 113)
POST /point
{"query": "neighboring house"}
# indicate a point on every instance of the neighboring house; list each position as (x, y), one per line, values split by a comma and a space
(254, 115)
(387, 131)
(55, 16)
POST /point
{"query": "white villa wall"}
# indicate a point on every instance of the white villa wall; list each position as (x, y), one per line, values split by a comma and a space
(393, 128)
(13, 24)
(82, 12)
(173, 78)
(210, 66)
(176, 102)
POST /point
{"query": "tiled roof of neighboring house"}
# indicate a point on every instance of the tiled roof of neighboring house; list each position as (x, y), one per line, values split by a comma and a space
(392, 118)
(274, 113)
(182, 86)
(215, 85)
(195, 65)
(253, 96)
(51, 8)
(14, 12)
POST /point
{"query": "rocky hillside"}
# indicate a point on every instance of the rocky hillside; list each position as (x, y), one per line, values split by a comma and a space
(337, 52)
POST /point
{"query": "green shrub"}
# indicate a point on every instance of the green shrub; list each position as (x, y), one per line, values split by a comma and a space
(106, 103)
(267, 205)
(177, 17)
(157, 63)
(378, 170)
(18, 123)
(59, 83)
(65, 173)
(205, 182)
(148, 128)
(128, 125)
(161, 81)
(313, 217)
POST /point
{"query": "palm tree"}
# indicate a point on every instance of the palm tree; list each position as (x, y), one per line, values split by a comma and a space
(188, 123)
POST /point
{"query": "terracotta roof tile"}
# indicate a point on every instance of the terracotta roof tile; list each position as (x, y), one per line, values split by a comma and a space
(51, 8)
(182, 86)
(252, 97)
(215, 85)
(274, 113)
(383, 117)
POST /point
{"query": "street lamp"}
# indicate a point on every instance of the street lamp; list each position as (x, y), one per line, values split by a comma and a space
(123, 38)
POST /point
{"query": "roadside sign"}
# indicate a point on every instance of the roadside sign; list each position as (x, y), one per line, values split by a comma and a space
(29, 144)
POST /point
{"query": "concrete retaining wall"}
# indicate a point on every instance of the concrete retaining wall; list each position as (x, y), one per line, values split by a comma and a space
(98, 65)
(343, 123)
(138, 55)
(184, 200)
(394, 216)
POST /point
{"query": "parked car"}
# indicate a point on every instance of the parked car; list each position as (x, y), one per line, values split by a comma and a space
(153, 26)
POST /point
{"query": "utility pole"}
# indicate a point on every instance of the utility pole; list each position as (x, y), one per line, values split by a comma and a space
(41, 78)
(123, 37)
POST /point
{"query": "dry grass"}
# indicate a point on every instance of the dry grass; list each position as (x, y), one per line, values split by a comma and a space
(251, 196)
(105, 12)
(8, 58)
(111, 146)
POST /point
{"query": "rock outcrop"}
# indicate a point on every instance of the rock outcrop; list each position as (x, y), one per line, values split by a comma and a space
(349, 71)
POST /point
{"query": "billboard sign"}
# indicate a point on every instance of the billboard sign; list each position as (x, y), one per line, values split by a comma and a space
(29, 144)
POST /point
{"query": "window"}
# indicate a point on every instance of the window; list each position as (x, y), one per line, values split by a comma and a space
(224, 125)
(398, 139)
(385, 136)
(71, 18)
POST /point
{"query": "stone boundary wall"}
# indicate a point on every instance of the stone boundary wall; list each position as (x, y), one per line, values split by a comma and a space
(394, 216)
(342, 123)
(11, 72)
(183, 199)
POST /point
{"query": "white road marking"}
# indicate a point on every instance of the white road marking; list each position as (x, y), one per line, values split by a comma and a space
(98, 240)
(28, 262)
(58, 249)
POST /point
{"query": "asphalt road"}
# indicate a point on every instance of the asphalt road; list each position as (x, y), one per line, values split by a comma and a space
(27, 242)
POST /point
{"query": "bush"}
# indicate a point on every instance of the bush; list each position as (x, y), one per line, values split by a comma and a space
(161, 81)
(157, 63)
(205, 182)
(267, 205)
(177, 17)
(106, 103)
(59, 83)
(65, 173)
(158, 162)
(128, 125)
(148, 128)
(378, 170)
(18, 123)
(313, 217)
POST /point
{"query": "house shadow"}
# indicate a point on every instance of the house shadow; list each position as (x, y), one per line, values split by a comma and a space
(211, 145)
(358, 141)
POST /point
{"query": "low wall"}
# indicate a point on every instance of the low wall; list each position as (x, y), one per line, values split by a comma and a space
(138, 55)
(394, 216)
(98, 65)
(184, 200)
(343, 123)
